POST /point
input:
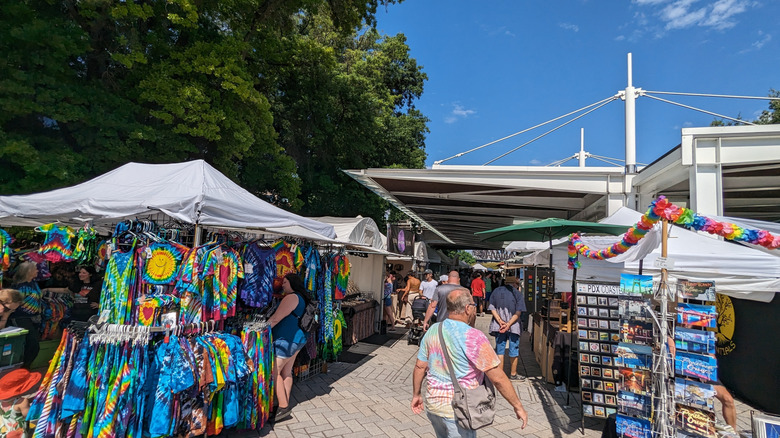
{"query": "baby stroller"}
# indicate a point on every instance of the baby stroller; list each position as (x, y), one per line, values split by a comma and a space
(419, 307)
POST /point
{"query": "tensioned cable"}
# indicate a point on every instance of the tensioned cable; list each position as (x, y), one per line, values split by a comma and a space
(606, 161)
(728, 96)
(700, 110)
(559, 162)
(611, 99)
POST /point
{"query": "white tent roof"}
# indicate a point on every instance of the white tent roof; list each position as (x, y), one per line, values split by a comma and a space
(359, 230)
(479, 267)
(737, 270)
(526, 246)
(191, 192)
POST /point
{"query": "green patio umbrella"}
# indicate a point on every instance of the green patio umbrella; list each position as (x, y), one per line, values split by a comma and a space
(545, 230)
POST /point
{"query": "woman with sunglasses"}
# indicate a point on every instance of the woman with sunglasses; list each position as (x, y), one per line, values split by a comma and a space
(10, 300)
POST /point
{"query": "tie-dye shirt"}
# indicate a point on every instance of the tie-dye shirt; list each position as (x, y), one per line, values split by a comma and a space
(471, 354)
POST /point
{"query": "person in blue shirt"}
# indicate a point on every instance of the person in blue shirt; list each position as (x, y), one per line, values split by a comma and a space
(289, 339)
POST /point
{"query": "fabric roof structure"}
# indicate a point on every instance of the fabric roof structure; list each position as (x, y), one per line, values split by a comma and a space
(192, 192)
(737, 270)
(480, 267)
(359, 230)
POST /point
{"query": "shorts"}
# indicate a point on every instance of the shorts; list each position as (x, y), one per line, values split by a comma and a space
(514, 344)
(285, 349)
(389, 301)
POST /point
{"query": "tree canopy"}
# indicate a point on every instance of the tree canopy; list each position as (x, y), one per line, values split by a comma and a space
(277, 95)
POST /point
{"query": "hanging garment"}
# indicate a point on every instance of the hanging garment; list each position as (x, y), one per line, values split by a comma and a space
(340, 276)
(5, 251)
(256, 290)
(56, 246)
(313, 268)
(162, 264)
(118, 287)
(326, 298)
(85, 250)
(289, 259)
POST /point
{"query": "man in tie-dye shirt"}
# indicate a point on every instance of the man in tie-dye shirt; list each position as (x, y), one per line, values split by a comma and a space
(473, 359)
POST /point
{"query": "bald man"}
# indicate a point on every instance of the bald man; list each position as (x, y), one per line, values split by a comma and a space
(439, 301)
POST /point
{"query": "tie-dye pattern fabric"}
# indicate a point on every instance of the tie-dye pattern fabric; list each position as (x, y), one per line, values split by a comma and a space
(471, 354)
(259, 272)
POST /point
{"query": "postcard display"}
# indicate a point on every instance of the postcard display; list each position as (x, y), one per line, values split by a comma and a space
(695, 367)
(598, 328)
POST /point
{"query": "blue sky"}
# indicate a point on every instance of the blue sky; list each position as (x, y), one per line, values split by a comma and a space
(498, 67)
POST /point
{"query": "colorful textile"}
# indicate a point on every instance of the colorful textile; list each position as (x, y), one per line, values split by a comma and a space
(86, 247)
(340, 276)
(162, 264)
(289, 259)
(56, 246)
(259, 272)
(660, 209)
(313, 263)
(32, 303)
(5, 251)
(471, 355)
(117, 287)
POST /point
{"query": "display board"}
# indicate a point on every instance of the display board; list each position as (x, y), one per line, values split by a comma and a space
(634, 359)
(695, 367)
(598, 329)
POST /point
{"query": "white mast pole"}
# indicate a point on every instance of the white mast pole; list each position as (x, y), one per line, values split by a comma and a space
(630, 122)
(582, 147)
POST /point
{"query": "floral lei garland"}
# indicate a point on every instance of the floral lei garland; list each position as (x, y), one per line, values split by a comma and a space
(659, 209)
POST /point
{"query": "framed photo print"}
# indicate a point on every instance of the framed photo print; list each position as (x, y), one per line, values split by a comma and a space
(593, 311)
(595, 372)
(587, 410)
(583, 311)
(608, 373)
(582, 322)
(602, 301)
(603, 313)
(583, 346)
(606, 348)
(610, 400)
(614, 325)
(599, 411)
(594, 346)
(592, 301)
(593, 334)
(587, 396)
(594, 359)
(603, 324)
(598, 385)
(584, 371)
(598, 398)
(581, 299)
(583, 334)
(593, 323)
(609, 386)
(613, 302)
(586, 383)
(613, 313)
(584, 358)
(606, 360)
(604, 336)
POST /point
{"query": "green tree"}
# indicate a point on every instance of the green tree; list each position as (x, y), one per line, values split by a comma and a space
(462, 255)
(277, 95)
(767, 117)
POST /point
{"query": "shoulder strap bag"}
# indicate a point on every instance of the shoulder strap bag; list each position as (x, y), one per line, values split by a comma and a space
(474, 408)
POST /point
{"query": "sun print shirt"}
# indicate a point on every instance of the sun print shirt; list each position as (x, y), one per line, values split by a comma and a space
(471, 354)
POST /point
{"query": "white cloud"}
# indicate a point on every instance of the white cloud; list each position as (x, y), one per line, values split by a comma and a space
(535, 162)
(569, 26)
(458, 112)
(763, 38)
(508, 33)
(683, 14)
(620, 38)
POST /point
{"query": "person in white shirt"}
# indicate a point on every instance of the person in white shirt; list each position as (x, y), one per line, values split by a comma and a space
(428, 287)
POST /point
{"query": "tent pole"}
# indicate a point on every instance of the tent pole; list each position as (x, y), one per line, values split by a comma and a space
(196, 239)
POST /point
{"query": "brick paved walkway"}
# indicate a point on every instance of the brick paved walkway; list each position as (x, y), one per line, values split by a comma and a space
(371, 398)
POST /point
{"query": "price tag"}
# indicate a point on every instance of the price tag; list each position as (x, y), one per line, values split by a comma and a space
(664, 263)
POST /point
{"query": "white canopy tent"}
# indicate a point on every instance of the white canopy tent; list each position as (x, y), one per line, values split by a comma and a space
(192, 192)
(737, 270)
(358, 230)
(480, 267)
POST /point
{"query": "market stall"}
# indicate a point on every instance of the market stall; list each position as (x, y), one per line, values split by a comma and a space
(624, 326)
(191, 268)
(361, 306)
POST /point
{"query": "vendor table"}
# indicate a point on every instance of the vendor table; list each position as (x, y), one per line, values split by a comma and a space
(360, 317)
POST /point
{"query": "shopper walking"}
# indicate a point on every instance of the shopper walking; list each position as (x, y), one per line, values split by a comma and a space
(409, 293)
(388, 301)
(438, 305)
(507, 305)
(289, 338)
(472, 360)
(478, 292)
(429, 285)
